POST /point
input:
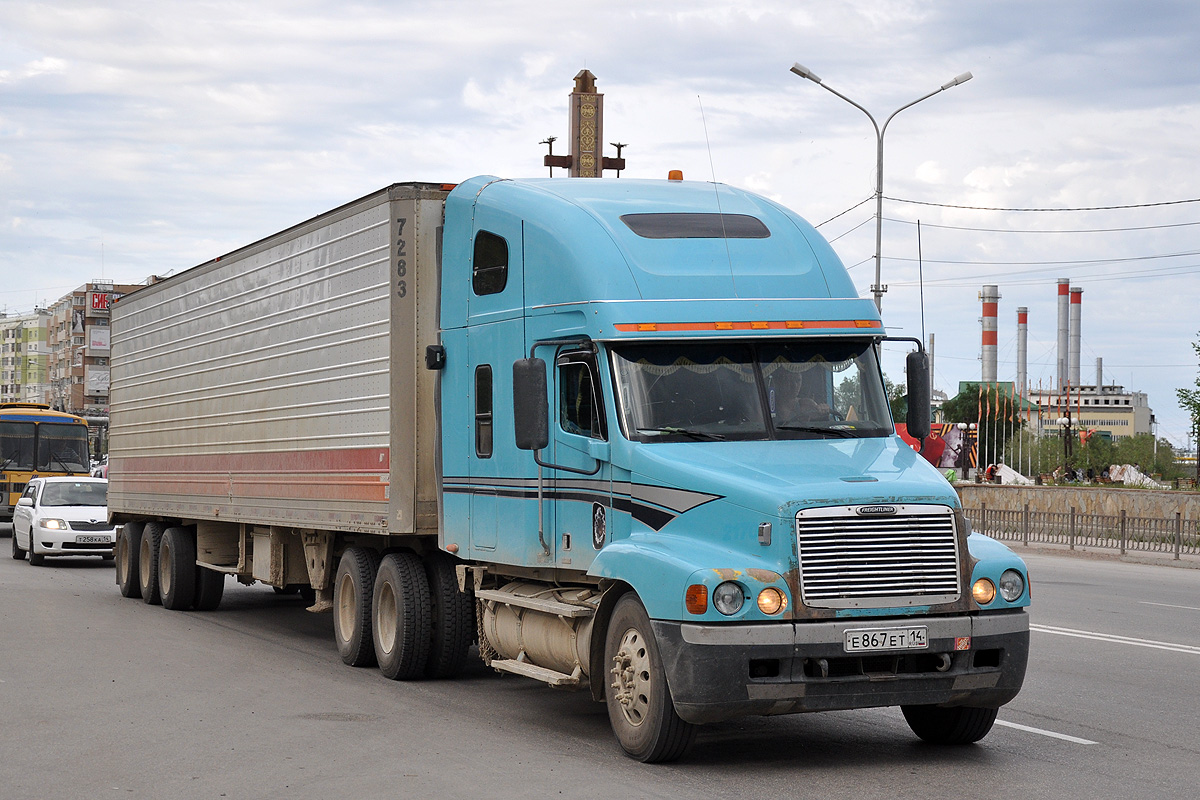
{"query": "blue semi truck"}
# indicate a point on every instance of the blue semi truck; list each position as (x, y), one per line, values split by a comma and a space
(624, 436)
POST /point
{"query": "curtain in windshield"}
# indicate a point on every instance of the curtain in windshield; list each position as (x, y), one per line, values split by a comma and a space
(786, 390)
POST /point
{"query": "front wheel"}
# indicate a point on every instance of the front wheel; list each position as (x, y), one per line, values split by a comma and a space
(640, 708)
(18, 553)
(956, 725)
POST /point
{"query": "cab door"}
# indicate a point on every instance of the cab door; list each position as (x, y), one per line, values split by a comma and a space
(579, 441)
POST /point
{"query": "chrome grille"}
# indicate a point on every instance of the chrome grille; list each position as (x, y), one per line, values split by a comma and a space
(90, 526)
(853, 560)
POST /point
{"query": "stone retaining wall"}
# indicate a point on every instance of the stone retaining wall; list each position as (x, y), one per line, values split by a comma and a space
(1104, 500)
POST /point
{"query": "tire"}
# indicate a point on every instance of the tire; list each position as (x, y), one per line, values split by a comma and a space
(400, 617)
(177, 568)
(210, 585)
(148, 563)
(957, 725)
(129, 542)
(452, 618)
(353, 590)
(639, 702)
(36, 559)
(18, 553)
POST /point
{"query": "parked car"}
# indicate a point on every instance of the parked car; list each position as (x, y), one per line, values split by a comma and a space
(65, 516)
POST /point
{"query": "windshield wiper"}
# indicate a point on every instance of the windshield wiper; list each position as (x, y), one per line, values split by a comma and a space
(844, 434)
(695, 434)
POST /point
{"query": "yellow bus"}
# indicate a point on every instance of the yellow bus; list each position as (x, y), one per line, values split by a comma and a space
(37, 442)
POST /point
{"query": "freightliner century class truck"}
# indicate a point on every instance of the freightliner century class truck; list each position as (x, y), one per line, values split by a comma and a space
(626, 436)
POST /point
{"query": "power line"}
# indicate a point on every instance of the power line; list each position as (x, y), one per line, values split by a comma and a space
(847, 211)
(1084, 208)
(1034, 230)
(1124, 259)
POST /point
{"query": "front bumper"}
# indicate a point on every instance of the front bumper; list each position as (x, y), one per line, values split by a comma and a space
(719, 672)
(65, 544)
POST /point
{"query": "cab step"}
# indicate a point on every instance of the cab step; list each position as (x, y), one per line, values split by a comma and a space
(542, 674)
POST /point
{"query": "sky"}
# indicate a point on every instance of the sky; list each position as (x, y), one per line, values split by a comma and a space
(141, 138)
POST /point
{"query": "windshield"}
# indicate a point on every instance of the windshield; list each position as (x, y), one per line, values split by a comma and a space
(16, 446)
(62, 493)
(62, 448)
(817, 389)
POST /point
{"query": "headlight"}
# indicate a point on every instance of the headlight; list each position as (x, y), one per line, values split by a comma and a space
(53, 524)
(771, 601)
(728, 598)
(1012, 585)
(984, 591)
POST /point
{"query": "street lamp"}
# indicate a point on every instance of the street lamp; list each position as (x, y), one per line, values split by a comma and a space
(804, 72)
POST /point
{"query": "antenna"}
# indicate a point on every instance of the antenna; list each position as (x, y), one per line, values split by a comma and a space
(717, 194)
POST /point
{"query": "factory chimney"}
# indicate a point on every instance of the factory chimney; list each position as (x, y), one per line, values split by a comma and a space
(991, 301)
(1074, 335)
(1064, 291)
(1099, 373)
(1023, 351)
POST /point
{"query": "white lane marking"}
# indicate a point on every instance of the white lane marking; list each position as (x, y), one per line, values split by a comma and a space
(1041, 732)
(1167, 605)
(1108, 637)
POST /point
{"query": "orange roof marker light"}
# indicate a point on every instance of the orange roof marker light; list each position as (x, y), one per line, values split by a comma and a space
(675, 175)
(747, 325)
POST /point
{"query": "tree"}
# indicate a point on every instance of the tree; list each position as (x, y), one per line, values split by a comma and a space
(1189, 399)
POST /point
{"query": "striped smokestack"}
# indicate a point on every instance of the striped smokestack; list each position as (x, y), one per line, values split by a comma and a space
(1022, 350)
(991, 301)
(1074, 336)
(1064, 292)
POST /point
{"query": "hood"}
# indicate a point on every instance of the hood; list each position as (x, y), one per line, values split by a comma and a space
(782, 477)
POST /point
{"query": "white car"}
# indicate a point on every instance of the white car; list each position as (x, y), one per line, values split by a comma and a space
(63, 517)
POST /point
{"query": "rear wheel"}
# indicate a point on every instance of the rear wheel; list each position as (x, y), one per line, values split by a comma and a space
(210, 585)
(452, 619)
(353, 588)
(957, 725)
(177, 568)
(129, 541)
(639, 702)
(400, 612)
(148, 563)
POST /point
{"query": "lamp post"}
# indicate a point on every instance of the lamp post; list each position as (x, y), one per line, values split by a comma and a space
(804, 72)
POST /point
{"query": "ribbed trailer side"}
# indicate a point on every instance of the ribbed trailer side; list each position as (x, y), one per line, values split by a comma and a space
(258, 387)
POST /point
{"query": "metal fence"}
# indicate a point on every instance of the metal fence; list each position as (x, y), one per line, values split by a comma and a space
(1122, 532)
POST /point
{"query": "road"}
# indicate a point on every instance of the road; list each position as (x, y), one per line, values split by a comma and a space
(103, 697)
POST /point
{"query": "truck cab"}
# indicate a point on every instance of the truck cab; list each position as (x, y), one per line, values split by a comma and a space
(672, 394)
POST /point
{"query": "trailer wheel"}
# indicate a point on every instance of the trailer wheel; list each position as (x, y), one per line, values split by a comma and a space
(400, 610)
(147, 562)
(129, 541)
(353, 589)
(452, 619)
(177, 569)
(956, 725)
(639, 702)
(210, 585)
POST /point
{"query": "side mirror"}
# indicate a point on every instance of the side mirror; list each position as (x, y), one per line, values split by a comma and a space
(531, 409)
(25, 501)
(918, 421)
